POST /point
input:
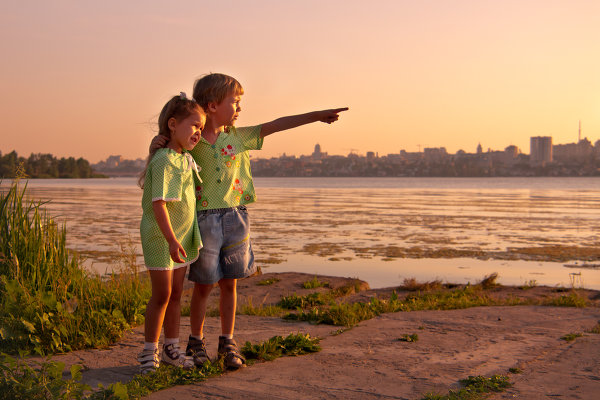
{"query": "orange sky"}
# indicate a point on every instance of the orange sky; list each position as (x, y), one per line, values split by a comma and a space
(88, 78)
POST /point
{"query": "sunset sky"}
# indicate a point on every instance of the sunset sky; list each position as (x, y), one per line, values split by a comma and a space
(88, 78)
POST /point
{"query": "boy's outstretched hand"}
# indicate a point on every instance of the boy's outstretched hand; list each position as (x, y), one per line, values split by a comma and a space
(158, 142)
(332, 115)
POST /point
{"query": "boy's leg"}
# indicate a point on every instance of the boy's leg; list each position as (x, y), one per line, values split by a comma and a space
(198, 308)
(227, 305)
(196, 347)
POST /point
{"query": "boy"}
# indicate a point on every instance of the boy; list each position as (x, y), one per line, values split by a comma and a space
(227, 187)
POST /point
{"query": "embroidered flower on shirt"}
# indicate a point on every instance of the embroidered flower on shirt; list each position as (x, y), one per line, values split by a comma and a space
(247, 197)
(228, 163)
(237, 199)
(237, 186)
(229, 150)
(204, 203)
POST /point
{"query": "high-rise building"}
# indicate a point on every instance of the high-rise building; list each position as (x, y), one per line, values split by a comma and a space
(540, 150)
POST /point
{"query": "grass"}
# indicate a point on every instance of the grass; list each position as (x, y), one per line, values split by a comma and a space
(344, 314)
(267, 282)
(322, 308)
(474, 387)
(48, 302)
(262, 310)
(412, 285)
(314, 283)
(408, 338)
(595, 329)
(569, 337)
(45, 381)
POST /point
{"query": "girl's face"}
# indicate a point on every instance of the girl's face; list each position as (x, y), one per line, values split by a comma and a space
(185, 133)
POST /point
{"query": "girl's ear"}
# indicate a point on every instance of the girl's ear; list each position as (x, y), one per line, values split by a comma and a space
(171, 123)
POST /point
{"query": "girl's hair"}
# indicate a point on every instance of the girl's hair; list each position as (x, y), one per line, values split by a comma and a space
(179, 107)
(213, 88)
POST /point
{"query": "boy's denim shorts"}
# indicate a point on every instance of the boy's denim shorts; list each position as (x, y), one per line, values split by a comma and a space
(227, 251)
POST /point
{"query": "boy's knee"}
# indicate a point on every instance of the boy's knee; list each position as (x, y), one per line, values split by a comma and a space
(202, 290)
(227, 285)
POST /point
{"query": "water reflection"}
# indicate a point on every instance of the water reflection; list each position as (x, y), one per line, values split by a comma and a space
(103, 215)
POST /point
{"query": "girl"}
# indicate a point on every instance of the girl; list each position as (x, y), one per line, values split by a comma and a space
(169, 228)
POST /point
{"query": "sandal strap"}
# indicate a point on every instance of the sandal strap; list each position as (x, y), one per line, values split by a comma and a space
(229, 348)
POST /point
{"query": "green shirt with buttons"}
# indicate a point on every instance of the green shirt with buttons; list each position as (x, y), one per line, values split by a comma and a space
(225, 168)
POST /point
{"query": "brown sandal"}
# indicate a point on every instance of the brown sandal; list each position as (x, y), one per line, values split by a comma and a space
(232, 358)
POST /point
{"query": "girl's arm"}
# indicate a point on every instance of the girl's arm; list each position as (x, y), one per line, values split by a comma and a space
(293, 121)
(162, 218)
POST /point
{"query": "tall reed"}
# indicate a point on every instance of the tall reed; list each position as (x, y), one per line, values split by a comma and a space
(49, 302)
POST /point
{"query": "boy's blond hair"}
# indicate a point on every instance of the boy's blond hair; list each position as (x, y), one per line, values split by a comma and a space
(213, 88)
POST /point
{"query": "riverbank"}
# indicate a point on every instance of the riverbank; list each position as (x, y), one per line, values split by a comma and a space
(377, 358)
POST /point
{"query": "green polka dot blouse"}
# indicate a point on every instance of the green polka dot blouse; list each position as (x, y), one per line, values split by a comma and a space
(225, 168)
(171, 177)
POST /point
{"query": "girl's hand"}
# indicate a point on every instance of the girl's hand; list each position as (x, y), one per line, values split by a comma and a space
(175, 249)
(330, 116)
(158, 142)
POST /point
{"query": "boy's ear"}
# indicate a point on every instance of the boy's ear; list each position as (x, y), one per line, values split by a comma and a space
(212, 107)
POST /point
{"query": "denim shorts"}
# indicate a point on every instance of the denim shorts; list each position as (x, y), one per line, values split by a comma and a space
(227, 251)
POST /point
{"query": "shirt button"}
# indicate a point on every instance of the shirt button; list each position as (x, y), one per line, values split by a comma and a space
(218, 168)
(213, 146)
(218, 181)
(215, 155)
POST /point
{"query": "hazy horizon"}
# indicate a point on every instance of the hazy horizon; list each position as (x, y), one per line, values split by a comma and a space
(414, 74)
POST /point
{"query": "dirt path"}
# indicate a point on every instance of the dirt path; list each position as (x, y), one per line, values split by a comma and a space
(369, 362)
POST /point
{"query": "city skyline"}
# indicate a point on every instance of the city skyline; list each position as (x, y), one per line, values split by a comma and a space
(89, 79)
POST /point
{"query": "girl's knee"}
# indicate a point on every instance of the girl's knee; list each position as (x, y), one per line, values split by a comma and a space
(161, 297)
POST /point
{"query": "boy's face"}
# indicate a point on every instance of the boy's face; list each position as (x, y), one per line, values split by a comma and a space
(226, 112)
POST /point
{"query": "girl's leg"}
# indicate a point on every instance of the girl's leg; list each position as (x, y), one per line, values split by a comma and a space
(157, 305)
(173, 312)
(198, 308)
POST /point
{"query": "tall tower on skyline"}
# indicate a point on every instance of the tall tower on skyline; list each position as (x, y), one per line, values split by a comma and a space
(540, 150)
(579, 138)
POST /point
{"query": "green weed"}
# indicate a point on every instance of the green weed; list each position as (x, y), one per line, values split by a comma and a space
(474, 387)
(573, 299)
(262, 310)
(412, 285)
(314, 283)
(310, 300)
(409, 338)
(278, 346)
(269, 281)
(48, 302)
(569, 337)
(595, 329)
(20, 381)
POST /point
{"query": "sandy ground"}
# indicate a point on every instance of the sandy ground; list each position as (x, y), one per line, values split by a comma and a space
(369, 362)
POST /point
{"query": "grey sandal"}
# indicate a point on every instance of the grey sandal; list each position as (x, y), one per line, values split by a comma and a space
(149, 361)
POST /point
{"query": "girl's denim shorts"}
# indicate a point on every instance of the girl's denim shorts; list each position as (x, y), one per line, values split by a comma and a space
(227, 251)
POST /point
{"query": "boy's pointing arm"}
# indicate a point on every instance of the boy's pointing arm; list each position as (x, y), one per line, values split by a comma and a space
(293, 121)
